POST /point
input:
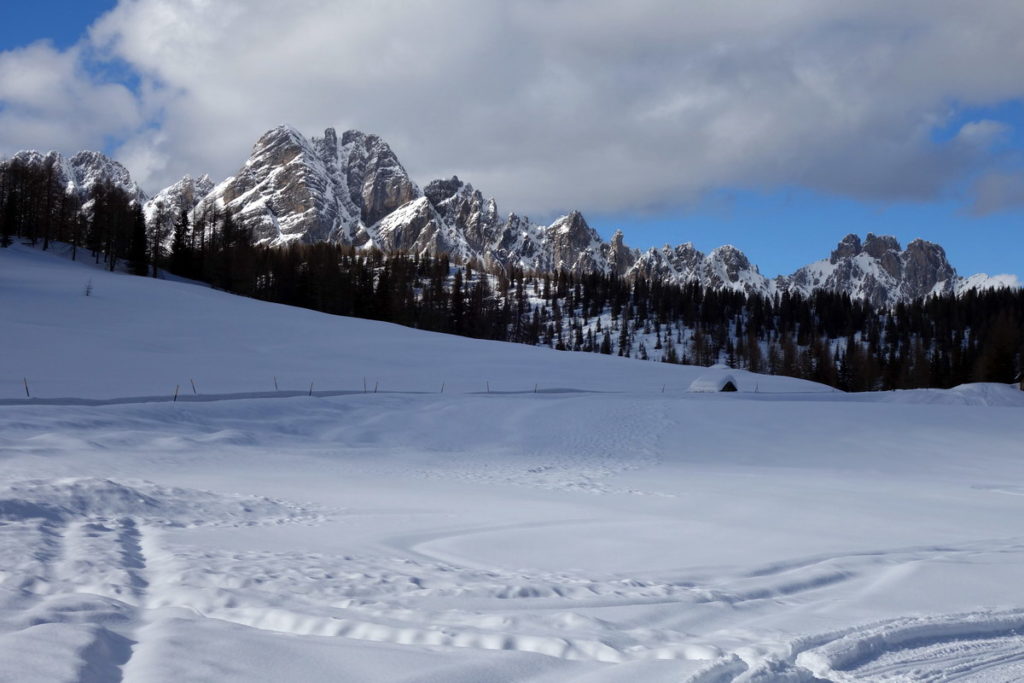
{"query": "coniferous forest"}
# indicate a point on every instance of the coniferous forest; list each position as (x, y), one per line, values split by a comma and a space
(827, 337)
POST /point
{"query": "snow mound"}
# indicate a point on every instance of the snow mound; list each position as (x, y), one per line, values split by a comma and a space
(974, 394)
(62, 500)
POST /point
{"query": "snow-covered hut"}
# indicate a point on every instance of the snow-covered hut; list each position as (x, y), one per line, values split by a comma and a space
(713, 383)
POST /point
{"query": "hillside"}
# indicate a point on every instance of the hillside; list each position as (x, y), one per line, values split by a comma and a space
(135, 336)
(612, 526)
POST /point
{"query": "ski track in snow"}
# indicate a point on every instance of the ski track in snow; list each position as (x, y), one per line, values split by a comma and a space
(106, 577)
(105, 561)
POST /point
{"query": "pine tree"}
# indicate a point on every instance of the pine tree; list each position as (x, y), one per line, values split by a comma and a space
(181, 253)
(138, 254)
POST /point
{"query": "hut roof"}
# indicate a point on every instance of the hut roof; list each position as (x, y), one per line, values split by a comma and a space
(713, 382)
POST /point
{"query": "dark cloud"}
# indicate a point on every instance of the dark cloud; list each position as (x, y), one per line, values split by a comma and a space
(997, 191)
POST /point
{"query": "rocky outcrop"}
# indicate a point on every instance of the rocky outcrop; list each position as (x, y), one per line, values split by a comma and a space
(183, 195)
(355, 191)
(292, 188)
(724, 268)
(879, 271)
(376, 180)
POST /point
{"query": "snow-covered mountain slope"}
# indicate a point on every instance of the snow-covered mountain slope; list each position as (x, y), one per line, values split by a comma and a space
(983, 281)
(81, 172)
(611, 526)
(354, 190)
(183, 195)
(293, 188)
(358, 193)
(880, 272)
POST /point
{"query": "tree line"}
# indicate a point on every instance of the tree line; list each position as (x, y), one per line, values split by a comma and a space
(826, 337)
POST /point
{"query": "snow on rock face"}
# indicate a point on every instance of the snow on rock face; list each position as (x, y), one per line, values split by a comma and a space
(983, 281)
(91, 167)
(575, 246)
(879, 271)
(293, 188)
(724, 268)
(377, 182)
(183, 195)
(354, 190)
(79, 174)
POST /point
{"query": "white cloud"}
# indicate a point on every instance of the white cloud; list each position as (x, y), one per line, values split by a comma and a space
(982, 133)
(596, 104)
(49, 101)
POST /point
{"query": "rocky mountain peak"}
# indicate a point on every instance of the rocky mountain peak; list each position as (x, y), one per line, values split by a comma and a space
(573, 224)
(183, 195)
(329, 140)
(849, 247)
(877, 246)
(879, 270)
(81, 172)
(353, 189)
(377, 182)
(729, 254)
(925, 268)
(437, 191)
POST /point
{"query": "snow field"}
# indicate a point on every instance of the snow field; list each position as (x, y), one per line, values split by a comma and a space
(585, 534)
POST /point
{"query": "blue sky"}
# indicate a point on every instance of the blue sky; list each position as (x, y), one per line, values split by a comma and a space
(63, 23)
(780, 231)
(778, 128)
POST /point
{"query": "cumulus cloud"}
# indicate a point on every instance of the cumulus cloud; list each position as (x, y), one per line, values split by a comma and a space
(601, 105)
(48, 100)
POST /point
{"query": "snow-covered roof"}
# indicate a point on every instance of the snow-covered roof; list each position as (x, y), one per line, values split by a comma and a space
(712, 382)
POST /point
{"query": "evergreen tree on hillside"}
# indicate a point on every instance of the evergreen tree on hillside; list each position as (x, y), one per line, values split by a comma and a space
(138, 252)
(180, 261)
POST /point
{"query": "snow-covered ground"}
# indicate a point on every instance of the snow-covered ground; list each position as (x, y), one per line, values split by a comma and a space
(609, 526)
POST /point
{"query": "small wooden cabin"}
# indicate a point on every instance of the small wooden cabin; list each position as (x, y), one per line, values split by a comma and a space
(714, 383)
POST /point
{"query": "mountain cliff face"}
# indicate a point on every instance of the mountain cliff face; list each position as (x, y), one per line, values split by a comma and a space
(879, 271)
(292, 188)
(353, 190)
(183, 195)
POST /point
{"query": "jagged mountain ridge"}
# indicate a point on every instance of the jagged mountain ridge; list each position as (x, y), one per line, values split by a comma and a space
(78, 174)
(165, 207)
(357, 192)
(354, 190)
